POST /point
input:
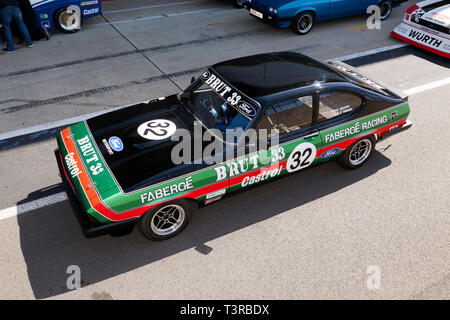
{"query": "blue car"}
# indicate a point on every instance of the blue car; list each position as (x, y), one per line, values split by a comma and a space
(300, 15)
(237, 3)
(66, 15)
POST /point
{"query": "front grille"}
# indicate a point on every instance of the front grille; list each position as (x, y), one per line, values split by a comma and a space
(434, 26)
(259, 7)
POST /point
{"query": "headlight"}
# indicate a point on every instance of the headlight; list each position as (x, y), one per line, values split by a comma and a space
(273, 10)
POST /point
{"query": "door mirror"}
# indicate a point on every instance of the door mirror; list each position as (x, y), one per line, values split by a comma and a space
(192, 80)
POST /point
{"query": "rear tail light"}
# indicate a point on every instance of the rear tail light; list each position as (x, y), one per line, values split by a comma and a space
(410, 11)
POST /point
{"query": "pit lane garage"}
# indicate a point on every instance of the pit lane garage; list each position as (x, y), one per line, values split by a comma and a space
(118, 167)
(427, 25)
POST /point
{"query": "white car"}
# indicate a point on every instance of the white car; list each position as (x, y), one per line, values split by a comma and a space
(427, 26)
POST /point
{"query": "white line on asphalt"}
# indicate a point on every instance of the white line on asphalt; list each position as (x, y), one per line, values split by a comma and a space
(57, 124)
(152, 6)
(114, 22)
(427, 86)
(32, 205)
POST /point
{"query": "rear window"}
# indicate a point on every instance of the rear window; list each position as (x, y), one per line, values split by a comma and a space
(335, 104)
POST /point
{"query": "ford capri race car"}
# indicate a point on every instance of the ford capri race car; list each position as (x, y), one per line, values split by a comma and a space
(427, 26)
(300, 15)
(67, 15)
(119, 167)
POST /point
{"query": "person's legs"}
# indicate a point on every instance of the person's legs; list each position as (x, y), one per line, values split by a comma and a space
(17, 16)
(6, 19)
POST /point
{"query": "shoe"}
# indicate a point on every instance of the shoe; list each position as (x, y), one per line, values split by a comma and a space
(7, 51)
(30, 45)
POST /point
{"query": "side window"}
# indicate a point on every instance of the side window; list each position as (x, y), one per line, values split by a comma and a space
(267, 120)
(334, 104)
(288, 116)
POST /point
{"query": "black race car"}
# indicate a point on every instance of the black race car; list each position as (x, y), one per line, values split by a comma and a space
(125, 167)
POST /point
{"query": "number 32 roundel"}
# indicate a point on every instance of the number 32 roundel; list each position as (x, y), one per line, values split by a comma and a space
(157, 129)
(302, 157)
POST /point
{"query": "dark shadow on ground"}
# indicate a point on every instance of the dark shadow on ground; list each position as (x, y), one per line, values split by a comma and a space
(51, 238)
(399, 52)
(20, 141)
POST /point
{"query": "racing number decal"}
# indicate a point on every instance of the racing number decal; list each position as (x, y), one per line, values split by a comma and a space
(302, 157)
(234, 99)
(277, 154)
(158, 129)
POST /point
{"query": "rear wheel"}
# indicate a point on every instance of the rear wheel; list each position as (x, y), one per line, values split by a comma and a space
(385, 9)
(358, 153)
(303, 23)
(166, 220)
(68, 20)
(238, 3)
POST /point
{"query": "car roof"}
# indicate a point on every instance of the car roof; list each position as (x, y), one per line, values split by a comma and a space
(266, 74)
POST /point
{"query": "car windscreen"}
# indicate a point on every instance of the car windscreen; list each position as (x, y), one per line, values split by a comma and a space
(220, 106)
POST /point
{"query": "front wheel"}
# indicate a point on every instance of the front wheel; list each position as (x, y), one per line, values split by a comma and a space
(238, 3)
(358, 153)
(303, 23)
(385, 9)
(166, 220)
(68, 20)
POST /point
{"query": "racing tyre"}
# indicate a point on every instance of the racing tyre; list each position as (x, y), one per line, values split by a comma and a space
(68, 22)
(303, 23)
(385, 9)
(166, 220)
(358, 153)
(238, 3)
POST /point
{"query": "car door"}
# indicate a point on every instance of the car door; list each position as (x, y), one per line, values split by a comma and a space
(298, 139)
(342, 8)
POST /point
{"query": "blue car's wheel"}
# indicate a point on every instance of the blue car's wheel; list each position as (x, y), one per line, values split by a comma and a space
(68, 20)
(385, 9)
(238, 3)
(303, 23)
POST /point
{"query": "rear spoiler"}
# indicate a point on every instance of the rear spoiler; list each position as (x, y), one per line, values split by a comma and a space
(353, 73)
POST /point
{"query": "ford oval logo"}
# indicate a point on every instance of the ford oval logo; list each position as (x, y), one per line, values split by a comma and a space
(206, 75)
(247, 109)
(330, 153)
(116, 143)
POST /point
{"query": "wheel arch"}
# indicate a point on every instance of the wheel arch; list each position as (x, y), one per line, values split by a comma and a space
(304, 10)
(194, 203)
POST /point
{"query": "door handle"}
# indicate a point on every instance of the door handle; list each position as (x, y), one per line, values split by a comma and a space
(310, 136)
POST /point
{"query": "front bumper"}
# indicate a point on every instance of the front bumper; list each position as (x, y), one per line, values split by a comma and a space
(395, 131)
(269, 17)
(90, 228)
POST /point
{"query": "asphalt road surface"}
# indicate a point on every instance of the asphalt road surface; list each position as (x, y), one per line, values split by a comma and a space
(316, 234)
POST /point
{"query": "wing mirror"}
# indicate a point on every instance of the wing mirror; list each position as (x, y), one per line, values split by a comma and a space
(192, 80)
